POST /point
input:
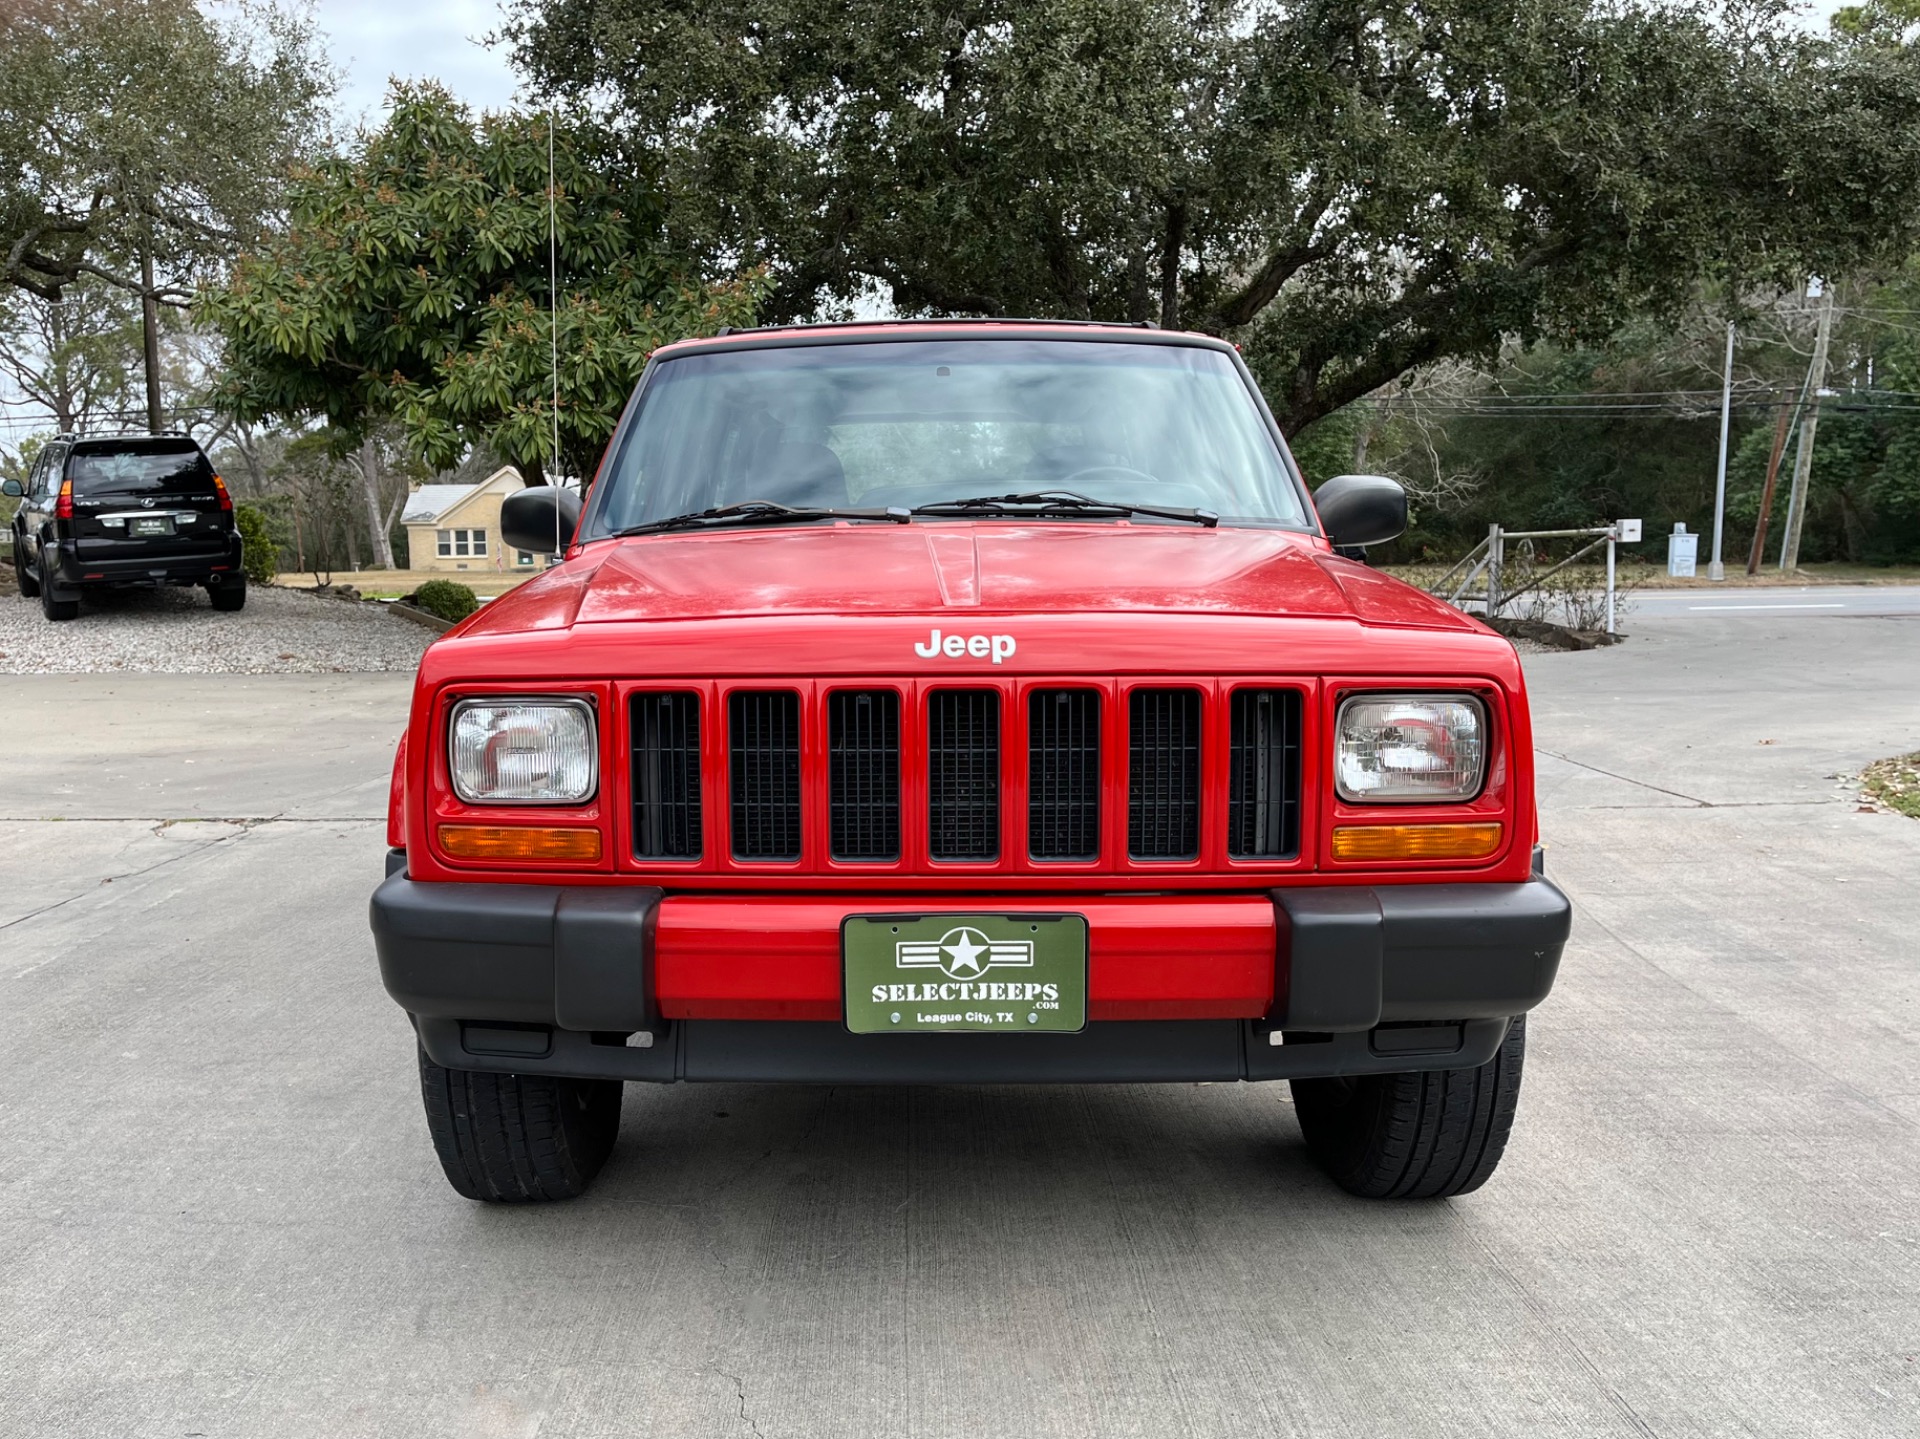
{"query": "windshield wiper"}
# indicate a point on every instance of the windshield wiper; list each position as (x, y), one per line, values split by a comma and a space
(1055, 503)
(761, 512)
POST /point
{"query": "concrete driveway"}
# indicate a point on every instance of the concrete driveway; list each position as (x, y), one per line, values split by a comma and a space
(219, 1214)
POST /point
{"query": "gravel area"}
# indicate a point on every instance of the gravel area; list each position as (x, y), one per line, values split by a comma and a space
(281, 631)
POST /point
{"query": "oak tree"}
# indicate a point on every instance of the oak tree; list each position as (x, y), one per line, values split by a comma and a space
(1351, 188)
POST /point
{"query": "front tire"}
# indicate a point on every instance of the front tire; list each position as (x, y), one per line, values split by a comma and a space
(519, 1138)
(230, 596)
(1414, 1136)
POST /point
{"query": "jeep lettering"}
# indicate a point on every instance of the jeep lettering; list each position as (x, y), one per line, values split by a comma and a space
(999, 647)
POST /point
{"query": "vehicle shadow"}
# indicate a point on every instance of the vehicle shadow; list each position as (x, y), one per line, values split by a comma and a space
(758, 1168)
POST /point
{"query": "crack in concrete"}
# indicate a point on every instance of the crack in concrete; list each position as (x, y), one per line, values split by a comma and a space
(184, 854)
(1628, 779)
(740, 1393)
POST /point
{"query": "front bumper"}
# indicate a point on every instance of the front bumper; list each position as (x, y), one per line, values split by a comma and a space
(557, 979)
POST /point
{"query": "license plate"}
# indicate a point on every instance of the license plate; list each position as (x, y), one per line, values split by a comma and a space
(150, 525)
(964, 973)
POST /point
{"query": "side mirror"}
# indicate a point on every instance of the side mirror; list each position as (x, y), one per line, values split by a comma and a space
(12, 489)
(540, 519)
(1361, 509)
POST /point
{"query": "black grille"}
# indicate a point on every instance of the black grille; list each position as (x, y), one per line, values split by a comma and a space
(963, 774)
(666, 775)
(1163, 774)
(863, 747)
(1063, 774)
(1263, 775)
(765, 741)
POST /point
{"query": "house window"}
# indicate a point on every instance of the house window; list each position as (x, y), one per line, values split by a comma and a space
(461, 542)
(523, 557)
(445, 542)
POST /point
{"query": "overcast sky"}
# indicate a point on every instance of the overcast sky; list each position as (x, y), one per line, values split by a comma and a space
(371, 40)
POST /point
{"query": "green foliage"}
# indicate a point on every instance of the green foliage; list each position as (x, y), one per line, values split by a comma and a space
(445, 598)
(1352, 188)
(412, 281)
(145, 124)
(259, 556)
(1849, 445)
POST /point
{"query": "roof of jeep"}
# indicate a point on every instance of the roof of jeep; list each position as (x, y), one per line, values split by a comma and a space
(855, 332)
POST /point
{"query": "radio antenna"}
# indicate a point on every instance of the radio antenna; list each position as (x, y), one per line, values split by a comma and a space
(553, 318)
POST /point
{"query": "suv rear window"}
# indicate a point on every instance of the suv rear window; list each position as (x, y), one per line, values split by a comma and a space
(171, 469)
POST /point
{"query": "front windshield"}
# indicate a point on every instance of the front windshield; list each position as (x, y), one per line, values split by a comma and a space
(918, 422)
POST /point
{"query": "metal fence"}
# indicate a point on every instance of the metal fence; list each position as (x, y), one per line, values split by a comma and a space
(1486, 564)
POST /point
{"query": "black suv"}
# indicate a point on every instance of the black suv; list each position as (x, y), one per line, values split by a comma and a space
(134, 510)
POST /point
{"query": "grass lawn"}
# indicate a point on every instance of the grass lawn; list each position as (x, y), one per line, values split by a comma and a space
(1894, 783)
(391, 584)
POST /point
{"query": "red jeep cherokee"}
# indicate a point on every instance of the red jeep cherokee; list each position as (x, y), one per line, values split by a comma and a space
(965, 703)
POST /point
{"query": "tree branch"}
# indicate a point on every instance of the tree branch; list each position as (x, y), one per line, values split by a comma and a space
(1240, 309)
(1174, 242)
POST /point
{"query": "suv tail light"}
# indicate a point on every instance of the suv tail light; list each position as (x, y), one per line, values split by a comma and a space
(220, 489)
(63, 506)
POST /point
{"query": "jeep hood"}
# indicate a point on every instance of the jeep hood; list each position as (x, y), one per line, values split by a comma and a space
(1000, 567)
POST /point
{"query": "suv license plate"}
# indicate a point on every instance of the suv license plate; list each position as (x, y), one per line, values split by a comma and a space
(928, 973)
(150, 525)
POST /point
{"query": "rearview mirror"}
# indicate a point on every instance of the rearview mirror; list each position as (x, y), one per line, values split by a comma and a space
(540, 519)
(12, 489)
(1361, 509)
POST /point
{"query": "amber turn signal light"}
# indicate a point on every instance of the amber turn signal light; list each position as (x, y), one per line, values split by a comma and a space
(494, 841)
(1415, 841)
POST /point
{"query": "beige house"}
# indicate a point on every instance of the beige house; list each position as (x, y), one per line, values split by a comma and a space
(457, 527)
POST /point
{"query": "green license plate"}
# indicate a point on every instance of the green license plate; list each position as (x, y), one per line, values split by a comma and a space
(150, 525)
(924, 973)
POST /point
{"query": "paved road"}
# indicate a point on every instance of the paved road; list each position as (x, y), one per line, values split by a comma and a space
(219, 1215)
(1811, 601)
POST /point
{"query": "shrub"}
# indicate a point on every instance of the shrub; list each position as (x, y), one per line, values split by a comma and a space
(446, 599)
(258, 555)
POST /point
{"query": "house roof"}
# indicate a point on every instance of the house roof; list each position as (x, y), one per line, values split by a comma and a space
(429, 502)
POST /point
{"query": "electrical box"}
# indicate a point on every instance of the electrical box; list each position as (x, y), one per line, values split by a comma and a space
(1627, 532)
(1682, 551)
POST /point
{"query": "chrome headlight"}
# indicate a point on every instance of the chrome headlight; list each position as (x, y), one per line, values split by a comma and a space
(1401, 748)
(523, 751)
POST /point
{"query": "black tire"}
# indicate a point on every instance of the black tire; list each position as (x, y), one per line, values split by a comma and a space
(230, 596)
(29, 586)
(1414, 1136)
(519, 1138)
(55, 609)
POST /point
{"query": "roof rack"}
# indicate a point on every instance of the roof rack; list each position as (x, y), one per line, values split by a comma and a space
(131, 433)
(726, 330)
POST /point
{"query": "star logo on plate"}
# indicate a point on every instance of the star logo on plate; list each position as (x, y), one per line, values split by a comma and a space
(964, 953)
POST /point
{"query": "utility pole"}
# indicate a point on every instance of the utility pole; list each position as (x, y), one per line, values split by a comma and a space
(150, 338)
(1716, 570)
(1759, 547)
(1803, 459)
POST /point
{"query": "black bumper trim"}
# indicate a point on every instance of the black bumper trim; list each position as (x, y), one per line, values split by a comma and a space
(1352, 957)
(70, 569)
(570, 955)
(721, 1051)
